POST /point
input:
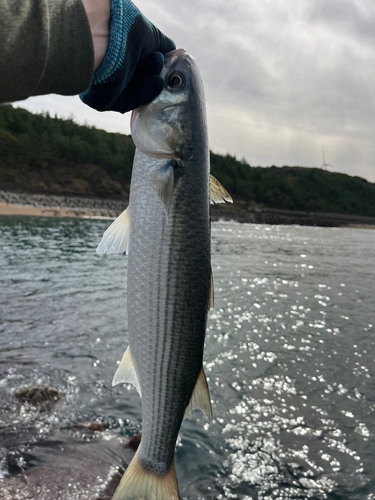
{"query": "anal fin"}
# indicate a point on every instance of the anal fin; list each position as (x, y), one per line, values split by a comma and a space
(126, 372)
(200, 397)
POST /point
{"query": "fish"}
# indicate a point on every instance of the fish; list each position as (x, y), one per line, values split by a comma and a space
(166, 232)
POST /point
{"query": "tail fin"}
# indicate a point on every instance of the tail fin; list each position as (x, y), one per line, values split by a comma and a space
(137, 484)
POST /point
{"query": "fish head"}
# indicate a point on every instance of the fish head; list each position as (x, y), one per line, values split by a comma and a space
(169, 126)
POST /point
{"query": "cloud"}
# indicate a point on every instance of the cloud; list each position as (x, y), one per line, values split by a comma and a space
(355, 18)
(72, 107)
(282, 78)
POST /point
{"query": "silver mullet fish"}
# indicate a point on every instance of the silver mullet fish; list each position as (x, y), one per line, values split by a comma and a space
(166, 231)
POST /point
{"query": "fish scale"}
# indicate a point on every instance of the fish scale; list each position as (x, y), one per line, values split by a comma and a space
(166, 230)
(166, 337)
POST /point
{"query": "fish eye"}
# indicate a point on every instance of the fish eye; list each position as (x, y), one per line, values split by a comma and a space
(176, 81)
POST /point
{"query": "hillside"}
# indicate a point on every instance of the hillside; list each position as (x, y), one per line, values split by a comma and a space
(42, 154)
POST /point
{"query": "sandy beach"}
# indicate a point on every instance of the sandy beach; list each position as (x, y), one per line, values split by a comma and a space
(11, 209)
(42, 205)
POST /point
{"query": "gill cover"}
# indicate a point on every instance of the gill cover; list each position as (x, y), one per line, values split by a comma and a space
(162, 129)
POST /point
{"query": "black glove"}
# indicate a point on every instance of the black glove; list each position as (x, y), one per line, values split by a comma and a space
(128, 76)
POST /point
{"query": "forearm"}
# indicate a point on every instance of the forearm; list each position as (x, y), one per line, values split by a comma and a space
(45, 47)
(54, 47)
(99, 13)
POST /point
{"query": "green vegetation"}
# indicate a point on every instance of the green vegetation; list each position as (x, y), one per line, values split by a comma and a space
(295, 188)
(39, 153)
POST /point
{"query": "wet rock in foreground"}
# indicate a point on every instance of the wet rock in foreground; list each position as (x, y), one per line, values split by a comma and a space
(71, 465)
(39, 396)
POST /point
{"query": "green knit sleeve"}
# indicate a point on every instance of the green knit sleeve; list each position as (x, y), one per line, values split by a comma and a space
(45, 47)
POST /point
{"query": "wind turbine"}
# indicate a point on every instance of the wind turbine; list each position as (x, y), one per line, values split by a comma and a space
(325, 165)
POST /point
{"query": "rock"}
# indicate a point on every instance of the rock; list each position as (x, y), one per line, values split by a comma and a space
(67, 466)
(91, 426)
(134, 442)
(39, 396)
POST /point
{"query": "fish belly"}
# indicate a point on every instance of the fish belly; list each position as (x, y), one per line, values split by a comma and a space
(168, 278)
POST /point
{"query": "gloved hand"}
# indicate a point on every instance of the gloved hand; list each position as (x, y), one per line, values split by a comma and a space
(128, 76)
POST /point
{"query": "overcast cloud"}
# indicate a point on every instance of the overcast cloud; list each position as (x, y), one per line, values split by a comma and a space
(283, 79)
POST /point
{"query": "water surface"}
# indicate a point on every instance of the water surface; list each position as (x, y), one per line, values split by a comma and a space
(289, 356)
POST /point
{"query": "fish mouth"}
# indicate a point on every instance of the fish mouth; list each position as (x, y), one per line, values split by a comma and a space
(171, 57)
(132, 120)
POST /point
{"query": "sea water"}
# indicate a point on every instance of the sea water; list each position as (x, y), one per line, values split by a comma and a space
(289, 356)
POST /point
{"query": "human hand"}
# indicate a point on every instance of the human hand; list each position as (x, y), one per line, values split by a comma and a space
(128, 76)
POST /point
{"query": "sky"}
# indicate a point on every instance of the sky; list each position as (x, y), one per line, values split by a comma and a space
(285, 80)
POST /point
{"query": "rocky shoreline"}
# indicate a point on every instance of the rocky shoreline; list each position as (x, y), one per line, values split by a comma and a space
(21, 203)
(276, 216)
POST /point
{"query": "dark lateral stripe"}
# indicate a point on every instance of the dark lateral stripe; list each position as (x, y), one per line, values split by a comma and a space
(155, 394)
(155, 307)
(156, 410)
(170, 327)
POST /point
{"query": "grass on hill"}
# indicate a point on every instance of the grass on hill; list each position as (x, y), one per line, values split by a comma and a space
(40, 153)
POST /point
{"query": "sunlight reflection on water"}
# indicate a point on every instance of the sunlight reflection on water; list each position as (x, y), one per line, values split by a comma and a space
(291, 326)
(289, 354)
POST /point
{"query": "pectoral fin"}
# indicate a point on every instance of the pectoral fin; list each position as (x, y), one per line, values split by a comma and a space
(165, 180)
(116, 237)
(126, 372)
(218, 194)
(200, 397)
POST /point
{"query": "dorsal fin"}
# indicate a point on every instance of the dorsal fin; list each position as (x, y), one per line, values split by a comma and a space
(218, 194)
